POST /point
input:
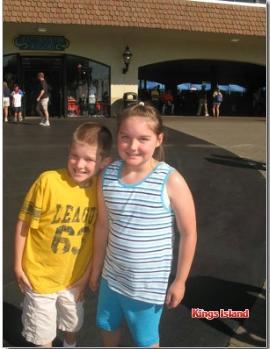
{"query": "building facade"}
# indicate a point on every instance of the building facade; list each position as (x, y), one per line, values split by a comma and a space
(80, 46)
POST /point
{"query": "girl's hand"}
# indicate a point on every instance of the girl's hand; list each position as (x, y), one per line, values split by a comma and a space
(22, 281)
(93, 282)
(175, 294)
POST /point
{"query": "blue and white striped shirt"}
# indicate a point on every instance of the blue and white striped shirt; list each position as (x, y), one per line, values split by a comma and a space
(140, 244)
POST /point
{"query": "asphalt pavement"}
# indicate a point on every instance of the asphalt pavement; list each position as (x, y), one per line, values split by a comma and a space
(223, 162)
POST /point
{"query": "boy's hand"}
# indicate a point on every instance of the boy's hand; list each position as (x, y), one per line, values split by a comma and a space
(80, 286)
(175, 294)
(22, 281)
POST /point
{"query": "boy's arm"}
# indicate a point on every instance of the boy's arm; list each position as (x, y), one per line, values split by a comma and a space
(19, 244)
(100, 239)
(183, 206)
(12, 98)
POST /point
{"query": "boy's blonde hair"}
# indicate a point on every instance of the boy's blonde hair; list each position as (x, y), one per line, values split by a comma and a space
(93, 133)
(150, 113)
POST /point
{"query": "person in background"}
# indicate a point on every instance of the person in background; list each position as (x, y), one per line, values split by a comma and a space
(43, 100)
(139, 198)
(92, 99)
(6, 100)
(53, 239)
(168, 102)
(155, 97)
(217, 100)
(17, 95)
(202, 103)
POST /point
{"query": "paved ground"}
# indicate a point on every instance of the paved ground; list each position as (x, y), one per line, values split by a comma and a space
(224, 163)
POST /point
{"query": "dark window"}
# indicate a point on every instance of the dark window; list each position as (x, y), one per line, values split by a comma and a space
(88, 87)
(77, 85)
(10, 70)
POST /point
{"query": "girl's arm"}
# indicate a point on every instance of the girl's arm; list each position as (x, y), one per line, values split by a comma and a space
(100, 238)
(19, 244)
(183, 207)
(81, 284)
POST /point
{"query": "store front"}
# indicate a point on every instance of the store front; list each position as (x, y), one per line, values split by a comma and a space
(78, 86)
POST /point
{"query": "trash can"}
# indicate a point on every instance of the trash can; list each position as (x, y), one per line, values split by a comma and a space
(130, 98)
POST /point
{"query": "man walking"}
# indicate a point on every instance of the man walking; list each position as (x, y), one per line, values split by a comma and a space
(43, 100)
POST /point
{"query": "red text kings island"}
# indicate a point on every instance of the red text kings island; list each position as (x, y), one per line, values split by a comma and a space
(197, 313)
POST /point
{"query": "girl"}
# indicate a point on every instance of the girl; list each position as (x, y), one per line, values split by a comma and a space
(138, 197)
(217, 99)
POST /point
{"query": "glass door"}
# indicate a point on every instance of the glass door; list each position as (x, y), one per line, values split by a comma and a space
(52, 67)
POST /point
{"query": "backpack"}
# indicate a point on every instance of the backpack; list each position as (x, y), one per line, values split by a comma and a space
(219, 98)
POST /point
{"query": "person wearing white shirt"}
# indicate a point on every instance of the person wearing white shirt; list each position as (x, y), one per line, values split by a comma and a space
(92, 98)
(17, 95)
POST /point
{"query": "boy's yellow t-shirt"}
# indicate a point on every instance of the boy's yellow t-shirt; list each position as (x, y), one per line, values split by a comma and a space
(59, 244)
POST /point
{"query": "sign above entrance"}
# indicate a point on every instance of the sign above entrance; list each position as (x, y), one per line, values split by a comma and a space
(41, 42)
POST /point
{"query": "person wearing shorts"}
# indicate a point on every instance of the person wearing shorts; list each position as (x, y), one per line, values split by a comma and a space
(54, 238)
(217, 100)
(17, 95)
(6, 100)
(43, 100)
(139, 199)
(40, 326)
(142, 318)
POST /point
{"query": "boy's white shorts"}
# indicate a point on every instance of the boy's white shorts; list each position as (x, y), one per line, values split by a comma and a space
(44, 313)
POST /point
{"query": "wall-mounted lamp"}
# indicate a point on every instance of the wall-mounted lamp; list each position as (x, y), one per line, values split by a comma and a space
(42, 29)
(126, 58)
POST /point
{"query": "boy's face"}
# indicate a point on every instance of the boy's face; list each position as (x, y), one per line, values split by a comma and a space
(84, 162)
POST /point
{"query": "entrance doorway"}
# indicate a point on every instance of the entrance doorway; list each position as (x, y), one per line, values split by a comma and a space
(239, 82)
(52, 67)
(69, 77)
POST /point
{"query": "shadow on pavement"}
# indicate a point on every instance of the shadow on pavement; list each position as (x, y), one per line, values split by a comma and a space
(209, 293)
(235, 161)
(214, 294)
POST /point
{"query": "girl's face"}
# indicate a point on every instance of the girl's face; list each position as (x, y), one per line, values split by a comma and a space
(136, 141)
(84, 162)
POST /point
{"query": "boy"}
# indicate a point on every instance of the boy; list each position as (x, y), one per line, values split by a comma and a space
(17, 96)
(53, 239)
